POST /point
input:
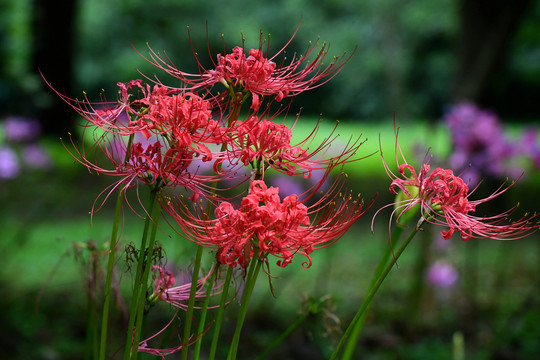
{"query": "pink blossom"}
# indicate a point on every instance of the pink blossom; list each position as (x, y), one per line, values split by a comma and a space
(185, 118)
(480, 145)
(105, 114)
(444, 200)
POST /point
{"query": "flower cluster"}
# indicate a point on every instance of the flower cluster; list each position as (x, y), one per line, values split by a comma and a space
(264, 224)
(444, 200)
(201, 142)
(257, 74)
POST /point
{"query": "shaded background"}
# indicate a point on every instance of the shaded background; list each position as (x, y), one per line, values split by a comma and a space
(416, 58)
(413, 57)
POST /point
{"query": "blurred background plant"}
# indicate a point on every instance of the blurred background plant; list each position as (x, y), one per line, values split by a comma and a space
(419, 58)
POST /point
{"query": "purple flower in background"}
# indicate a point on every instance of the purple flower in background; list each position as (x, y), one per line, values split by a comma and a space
(22, 149)
(287, 185)
(442, 275)
(35, 157)
(9, 164)
(20, 129)
(529, 146)
(480, 145)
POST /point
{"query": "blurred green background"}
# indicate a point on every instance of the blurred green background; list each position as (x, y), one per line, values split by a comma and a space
(414, 58)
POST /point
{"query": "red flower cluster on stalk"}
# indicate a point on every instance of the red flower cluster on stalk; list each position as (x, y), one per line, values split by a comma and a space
(265, 224)
(264, 143)
(198, 139)
(161, 136)
(444, 199)
(257, 73)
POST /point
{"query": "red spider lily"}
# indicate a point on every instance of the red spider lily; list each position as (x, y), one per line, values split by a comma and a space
(268, 225)
(262, 143)
(147, 162)
(105, 114)
(163, 281)
(178, 296)
(258, 73)
(152, 136)
(186, 119)
(183, 117)
(444, 200)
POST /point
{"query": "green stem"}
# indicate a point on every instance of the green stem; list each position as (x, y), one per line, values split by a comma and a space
(108, 281)
(204, 311)
(367, 301)
(136, 295)
(219, 318)
(355, 334)
(191, 304)
(141, 307)
(251, 278)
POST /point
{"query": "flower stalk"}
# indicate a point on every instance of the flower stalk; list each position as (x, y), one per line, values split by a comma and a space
(108, 281)
(204, 312)
(140, 283)
(191, 303)
(347, 337)
(251, 279)
(221, 312)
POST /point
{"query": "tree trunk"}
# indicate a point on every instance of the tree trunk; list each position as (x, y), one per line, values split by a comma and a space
(53, 56)
(486, 26)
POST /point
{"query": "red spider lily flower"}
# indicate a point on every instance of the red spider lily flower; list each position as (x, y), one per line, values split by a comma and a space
(163, 281)
(263, 143)
(444, 200)
(105, 114)
(184, 117)
(178, 296)
(258, 73)
(147, 162)
(268, 225)
(152, 136)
